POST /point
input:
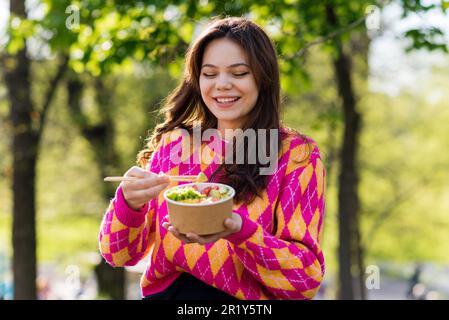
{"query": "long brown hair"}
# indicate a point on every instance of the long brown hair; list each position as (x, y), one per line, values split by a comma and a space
(184, 105)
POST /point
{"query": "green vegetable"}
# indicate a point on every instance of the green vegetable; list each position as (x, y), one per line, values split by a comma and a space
(201, 177)
(184, 194)
(223, 189)
(214, 193)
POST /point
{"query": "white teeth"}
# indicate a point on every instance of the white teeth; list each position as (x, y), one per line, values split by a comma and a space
(227, 100)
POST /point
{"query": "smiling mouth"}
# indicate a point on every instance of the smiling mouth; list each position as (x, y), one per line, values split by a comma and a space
(226, 100)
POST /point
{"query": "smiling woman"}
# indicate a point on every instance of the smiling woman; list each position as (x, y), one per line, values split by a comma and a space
(270, 247)
(228, 87)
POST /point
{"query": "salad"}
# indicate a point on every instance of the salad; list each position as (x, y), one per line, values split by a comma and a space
(192, 194)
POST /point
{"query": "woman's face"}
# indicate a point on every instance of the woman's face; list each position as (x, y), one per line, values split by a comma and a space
(227, 84)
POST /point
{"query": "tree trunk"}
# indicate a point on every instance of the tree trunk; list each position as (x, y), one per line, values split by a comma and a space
(24, 150)
(111, 281)
(348, 180)
(27, 130)
(359, 46)
(348, 201)
(360, 264)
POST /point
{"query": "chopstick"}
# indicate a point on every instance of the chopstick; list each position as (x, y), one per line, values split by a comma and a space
(111, 179)
(173, 178)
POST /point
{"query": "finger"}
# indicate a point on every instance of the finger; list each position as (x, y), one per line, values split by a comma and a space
(166, 225)
(150, 180)
(205, 239)
(162, 178)
(231, 225)
(193, 237)
(178, 235)
(136, 172)
(149, 193)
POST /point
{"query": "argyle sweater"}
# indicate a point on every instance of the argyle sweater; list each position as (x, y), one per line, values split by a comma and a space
(276, 254)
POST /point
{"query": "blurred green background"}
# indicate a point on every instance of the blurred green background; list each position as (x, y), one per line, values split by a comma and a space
(125, 57)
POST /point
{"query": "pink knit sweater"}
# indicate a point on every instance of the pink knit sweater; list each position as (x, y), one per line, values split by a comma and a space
(275, 255)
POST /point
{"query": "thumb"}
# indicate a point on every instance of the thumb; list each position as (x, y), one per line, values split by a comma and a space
(231, 225)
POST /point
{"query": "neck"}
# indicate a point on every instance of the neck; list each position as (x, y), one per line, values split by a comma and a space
(227, 129)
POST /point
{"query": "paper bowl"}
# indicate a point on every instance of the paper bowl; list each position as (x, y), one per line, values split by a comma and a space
(200, 218)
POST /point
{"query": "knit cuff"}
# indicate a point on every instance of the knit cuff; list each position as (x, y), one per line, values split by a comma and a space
(249, 227)
(126, 215)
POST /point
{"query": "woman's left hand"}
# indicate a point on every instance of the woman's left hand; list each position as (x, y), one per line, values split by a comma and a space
(233, 225)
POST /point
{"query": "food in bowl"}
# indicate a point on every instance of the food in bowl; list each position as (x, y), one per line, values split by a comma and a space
(200, 208)
(191, 194)
(201, 177)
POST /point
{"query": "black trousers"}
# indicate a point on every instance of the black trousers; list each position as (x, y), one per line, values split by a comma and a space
(187, 287)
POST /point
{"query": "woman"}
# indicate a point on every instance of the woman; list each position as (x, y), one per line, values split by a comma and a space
(271, 246)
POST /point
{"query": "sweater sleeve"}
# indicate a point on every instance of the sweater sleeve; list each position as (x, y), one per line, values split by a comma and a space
(289, 263)
(126, 234)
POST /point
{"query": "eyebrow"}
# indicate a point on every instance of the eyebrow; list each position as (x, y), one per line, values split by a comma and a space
(231, 66)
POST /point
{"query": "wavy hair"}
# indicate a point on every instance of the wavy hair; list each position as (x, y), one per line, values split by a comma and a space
(184, 105)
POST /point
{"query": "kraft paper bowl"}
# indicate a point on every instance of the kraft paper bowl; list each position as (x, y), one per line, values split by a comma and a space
(200, 218)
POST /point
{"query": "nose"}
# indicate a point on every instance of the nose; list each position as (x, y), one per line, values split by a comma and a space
(223, 83)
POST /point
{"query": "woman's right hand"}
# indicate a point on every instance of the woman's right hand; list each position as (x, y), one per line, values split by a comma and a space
(138, 193)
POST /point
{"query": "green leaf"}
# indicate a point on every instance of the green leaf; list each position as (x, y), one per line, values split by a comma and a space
(444, 5)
